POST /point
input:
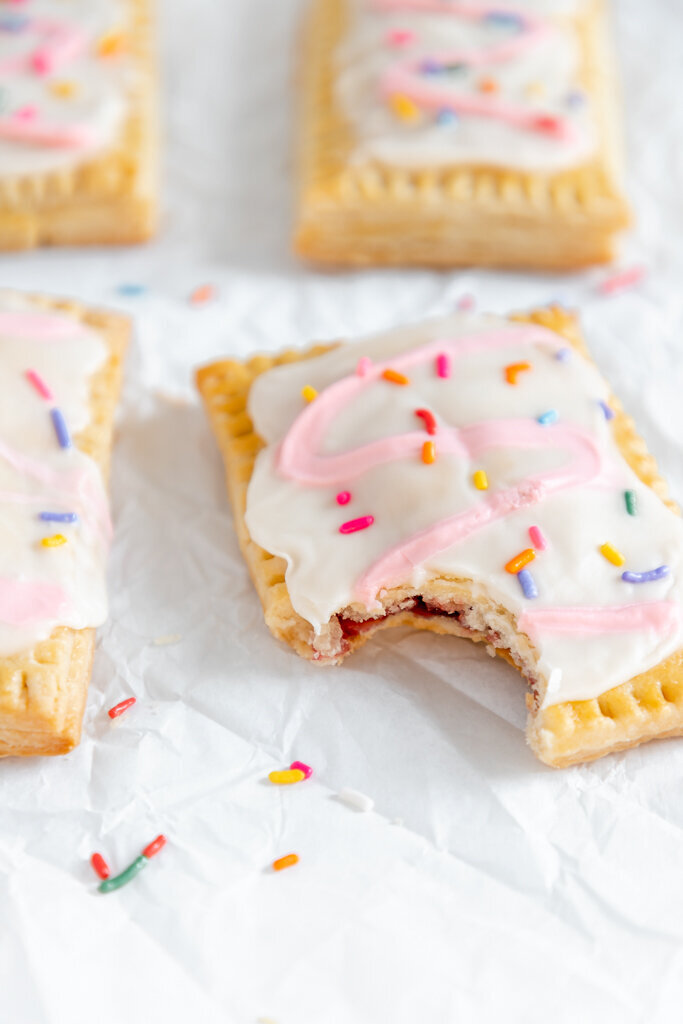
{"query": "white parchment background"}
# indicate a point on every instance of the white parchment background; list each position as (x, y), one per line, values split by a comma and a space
(509, 892)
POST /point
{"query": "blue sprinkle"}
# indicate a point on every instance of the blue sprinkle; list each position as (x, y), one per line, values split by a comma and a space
(504, 18)
(546, 418)
(646, 577)
(430, 67)
(61, 429)
(609, 414)
(446, 116)
(527, 583)
(131, 289)
(563, 354)
(13, 23)
(59, 517)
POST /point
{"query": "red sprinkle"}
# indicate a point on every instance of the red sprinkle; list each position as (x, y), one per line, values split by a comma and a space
(300, 766)
(548, 125)
(623, 280)
(100, 866)
(37, 382)
(353, 525)
(205, 293)
(118, 709)
(344, 497)
(154, 847)
(428, 419)
(443, 366)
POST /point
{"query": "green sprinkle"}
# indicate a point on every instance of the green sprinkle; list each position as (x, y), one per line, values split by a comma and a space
(631, 503)
(126, 876)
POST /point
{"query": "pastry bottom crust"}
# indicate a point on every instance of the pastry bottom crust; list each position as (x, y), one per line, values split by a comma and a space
(43, 690)
(118, 221)
(646, 707)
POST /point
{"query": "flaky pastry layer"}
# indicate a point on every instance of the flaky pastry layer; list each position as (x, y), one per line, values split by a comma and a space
(373, 214)
(646, 707)
(43, 691)
(111, 198)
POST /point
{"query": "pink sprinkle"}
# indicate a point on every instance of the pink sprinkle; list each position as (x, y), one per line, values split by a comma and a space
(301, 767)
(40, 386)
(537, 538)
(400, 37)
(443, 366)
(42, 62)
(466, 302)
(364, 366)
(344, 497)
(26, 114)
(354, 525)
(623, 280)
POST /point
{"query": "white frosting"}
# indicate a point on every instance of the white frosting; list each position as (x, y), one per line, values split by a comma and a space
(300, 522)
(542, 79)
(98, 104)
(37, 475)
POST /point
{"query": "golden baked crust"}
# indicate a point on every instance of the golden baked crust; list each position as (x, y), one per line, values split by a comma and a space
(108, 200)
(43, 691)
(646, 707)
(371, 214)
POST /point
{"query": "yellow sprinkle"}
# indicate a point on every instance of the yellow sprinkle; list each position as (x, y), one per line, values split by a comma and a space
(286, 778)
(63, 88)
(480, 480)
(609, 552)
(404, 107)
(429, 452)
(55, 541)
(309, 393)
(111, 45)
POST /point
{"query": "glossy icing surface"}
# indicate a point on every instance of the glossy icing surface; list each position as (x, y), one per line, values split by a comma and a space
(426, 83)
(562, 475)
(63, 76)
(41, 586)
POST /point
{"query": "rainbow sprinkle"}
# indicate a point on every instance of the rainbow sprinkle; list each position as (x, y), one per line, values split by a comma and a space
(301, 767)
(364, 366)
(513, 370)
(58, 517)
(404, 107)
(609, 552)
(528, 584)
(285, 862)
(631, 502)
(624, 279)
(100, 866)
(61, 429)
(537, 538)
(287, 778)
(480, 480)
(39, 385)
(118, 709)
(343, 498)
(354, 525)
(443, 366)
(429, 452)
(428, 419)
(547, 418)
(56, 541)
(308, 393)
(110, 884)
(399, 37)
(646, 577)
(563, 354)
(205, 293)
(520, 561)
(394, 377)
(607, 412)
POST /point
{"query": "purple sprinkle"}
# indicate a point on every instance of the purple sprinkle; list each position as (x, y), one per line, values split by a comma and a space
(609, 413)
(13, 23)
(430, 67)
(527, 583)
(646, 577)
(563, 354)
(575, 98)
(58, 517)
(61, 429)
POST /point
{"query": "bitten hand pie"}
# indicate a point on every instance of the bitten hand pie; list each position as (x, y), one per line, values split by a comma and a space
(442, 133)
(471, 476)
(78, 135)
(60, 366)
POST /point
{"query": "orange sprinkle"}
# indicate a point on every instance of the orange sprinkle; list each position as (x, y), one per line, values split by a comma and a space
(519, 561)
(429, 452)
(513, 370)
(488, 85)
(111, 45)
(285, 862)
(203, 294)
(395, 377)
